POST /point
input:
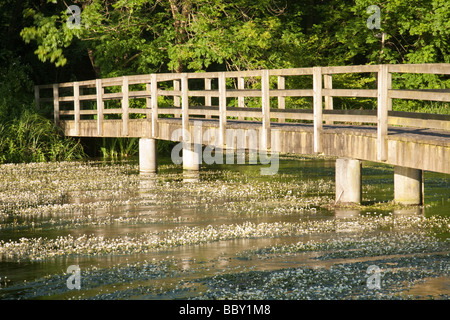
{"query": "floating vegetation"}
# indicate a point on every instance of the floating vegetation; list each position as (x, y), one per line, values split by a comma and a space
(250, 237)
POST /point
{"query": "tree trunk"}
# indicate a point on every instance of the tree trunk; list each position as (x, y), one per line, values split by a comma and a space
(180, 13)
(92, 59)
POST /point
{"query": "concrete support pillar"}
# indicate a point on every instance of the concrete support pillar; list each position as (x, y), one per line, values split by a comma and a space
(147, 155)
(348, 181)
(408, 186)
(192, 157)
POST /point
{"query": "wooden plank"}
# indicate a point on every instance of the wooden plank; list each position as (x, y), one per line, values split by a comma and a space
(112, 82)
(169, 76)
(185, 108)
(248, 73)
(88, 97)
(318, 118)
(291, 115)
(420, 95)
(66, 112)
(148, 108)
(241, 99)
(76, 103)
(433, 68)
(328, 84)
(204, 93)
(174, 111)
(419, 115)
(112, 95)
(154, 91)
(291, 72)
(176, 95)
(56, 103)
(140, 111)
(87, 83)
(351, 93)
(281, 85)
(354, 118)
(382, 113)
(113, 111)
(100, 106)
(222, 108)
(265, 106)
(208, 87)
(203, 75)
(88, 112)
(125, 106)
(66, 85)
(291, 93)
(66, 98)
(350, 69)
(232, 93)
(420, 123)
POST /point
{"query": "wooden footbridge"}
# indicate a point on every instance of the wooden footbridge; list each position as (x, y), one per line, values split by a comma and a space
(156, 106)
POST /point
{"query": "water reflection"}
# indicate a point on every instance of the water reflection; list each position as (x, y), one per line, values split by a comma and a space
(345, 213)
(191, 176)
(409, 211)
(147, 181)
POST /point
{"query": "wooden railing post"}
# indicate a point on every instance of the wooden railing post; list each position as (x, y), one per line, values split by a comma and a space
(208, 82)
(56, 103)
(281, 100)
(265, 104)
(154, 93)
(176, 99)
(382, 112)
(241, 100)
(318, 114)
(125, 106)
(389, 87)
(36, 97)
(222, 108)
(148, 109)
(100, 106)
(76, 102)
(328, 84)
(185, 107)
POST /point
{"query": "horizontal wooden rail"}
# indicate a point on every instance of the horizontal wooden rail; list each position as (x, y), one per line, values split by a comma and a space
(264, 89)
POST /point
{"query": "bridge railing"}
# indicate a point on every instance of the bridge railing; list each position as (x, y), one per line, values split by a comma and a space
(70, 100)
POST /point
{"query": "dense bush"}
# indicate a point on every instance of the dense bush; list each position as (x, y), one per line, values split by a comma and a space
(33, 138)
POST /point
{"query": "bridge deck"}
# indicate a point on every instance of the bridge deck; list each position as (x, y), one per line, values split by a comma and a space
(417, 148)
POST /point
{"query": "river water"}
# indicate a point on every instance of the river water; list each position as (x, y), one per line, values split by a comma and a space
(101, 230)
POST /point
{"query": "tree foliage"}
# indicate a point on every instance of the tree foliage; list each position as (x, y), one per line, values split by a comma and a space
(142, 36)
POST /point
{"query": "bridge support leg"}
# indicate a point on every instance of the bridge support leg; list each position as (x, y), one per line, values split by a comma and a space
(192, 157)
(348, 181)
(408, 186)
(147, 155)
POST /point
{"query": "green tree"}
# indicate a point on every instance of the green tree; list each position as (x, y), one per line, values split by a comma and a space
(144, 36)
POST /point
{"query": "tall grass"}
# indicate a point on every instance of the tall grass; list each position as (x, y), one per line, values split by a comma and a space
(119, 147)
(33, 138)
